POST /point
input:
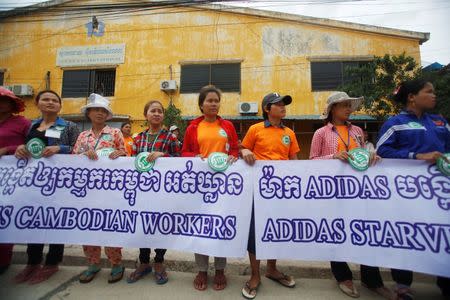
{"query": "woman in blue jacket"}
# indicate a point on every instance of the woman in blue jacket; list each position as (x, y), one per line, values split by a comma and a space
(415, 134)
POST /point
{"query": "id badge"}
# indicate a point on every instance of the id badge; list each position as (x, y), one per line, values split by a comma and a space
(53, 133)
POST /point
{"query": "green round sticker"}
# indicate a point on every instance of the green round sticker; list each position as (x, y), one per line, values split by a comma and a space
(361, 159)
(444, 166)
(104, 152)
(35, 146)
(106, 137)
(218, 161)
(141, 164)
(286, 139)
(223, 133)
(415, 125)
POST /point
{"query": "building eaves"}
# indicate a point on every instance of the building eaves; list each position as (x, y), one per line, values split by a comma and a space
(422, 37)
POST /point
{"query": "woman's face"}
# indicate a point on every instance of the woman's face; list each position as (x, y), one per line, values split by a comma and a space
(211, 104)
(425, 99)
(342, 110)
(97, 115)
(155, 114)
(49, 103)
(126, 129)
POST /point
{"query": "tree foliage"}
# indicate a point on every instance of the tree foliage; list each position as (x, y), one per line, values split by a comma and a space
(172, 116)
(441, 82)
(377, 80)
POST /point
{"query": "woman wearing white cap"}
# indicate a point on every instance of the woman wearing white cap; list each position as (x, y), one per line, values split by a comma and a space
(334, 141)
(89, 142)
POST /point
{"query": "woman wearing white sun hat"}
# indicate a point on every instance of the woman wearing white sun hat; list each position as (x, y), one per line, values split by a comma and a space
(89, 142)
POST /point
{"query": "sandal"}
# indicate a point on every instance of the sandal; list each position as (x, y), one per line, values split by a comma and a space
(284, 280)
(249, 292)
(349, 291)
(139, 273)
(89, 274)
(220, 281)
(383, 291)
(43, 274)
(26, 273)
(201, 279)
(116, 274)
(404, 293)
(161, 277)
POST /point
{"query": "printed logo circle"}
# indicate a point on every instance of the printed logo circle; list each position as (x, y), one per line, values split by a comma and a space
(218, 161)
(361, 159)
(104, 152)
(415, 125)
(444, 166)
(223, 133)
(286, 139)
(35, 146)
(141, 164)
(106, 137)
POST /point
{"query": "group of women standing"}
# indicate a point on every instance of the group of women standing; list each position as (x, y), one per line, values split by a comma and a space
(266, 140)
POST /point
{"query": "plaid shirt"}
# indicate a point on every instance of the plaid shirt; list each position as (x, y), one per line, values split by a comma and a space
(325, 142)
(165, 142)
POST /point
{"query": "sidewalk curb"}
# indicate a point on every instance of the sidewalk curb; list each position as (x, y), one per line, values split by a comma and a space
(20, 257)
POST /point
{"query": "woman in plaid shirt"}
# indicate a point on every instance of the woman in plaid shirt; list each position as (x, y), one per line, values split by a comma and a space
(158, 142)
(334, 141)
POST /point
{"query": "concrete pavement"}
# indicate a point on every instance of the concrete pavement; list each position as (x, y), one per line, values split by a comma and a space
(65, 285)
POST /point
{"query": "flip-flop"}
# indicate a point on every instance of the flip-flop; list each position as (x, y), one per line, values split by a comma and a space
(161, 277)
(219, 279)
(88, 274)
(284, 280)
(248, 292)
(136, 275)
(116, 274)
(199, 278)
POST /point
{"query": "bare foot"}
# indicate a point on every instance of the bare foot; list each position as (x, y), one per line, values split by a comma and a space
(220, 281)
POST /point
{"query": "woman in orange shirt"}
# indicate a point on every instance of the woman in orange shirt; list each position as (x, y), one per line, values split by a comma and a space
(205, 135)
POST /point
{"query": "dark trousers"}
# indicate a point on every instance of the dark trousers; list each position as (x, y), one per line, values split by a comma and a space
(54, 255)
(144, 255)
(251, 244)
(370, 276)
(5, 254)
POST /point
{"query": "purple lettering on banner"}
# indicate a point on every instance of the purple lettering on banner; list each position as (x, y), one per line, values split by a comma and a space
(271, 186)
(209, 184)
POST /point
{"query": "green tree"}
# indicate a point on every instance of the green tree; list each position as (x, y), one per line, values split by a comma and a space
(377, 80)
(172, 116)
(441, 82)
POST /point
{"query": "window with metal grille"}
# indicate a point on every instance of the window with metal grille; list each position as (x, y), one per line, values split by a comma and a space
(226, 77)
(328, 76)
(81, 83)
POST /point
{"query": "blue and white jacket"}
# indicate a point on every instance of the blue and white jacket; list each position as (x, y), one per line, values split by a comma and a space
(405, 135)
(69, 134)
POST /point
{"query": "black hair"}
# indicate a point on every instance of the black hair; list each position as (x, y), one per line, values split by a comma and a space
(409, 87)
(125, 123)
(265, 114)
(204, 91)
(149, 103)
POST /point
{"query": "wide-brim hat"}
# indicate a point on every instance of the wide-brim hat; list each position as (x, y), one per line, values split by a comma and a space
(96, 100)
(272, 98)
(19, 104)
(338, 97)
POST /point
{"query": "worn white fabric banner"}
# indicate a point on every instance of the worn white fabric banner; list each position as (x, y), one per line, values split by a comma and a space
(181, 204)
(396, 214)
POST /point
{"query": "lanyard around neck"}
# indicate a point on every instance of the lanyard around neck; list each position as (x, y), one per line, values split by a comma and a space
(147, 139)
(347, 145)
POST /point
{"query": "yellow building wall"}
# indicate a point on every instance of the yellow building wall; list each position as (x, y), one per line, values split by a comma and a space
(275, 55)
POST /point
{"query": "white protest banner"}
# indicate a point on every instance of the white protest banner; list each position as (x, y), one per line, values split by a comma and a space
(181, 204)
(395, 214)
